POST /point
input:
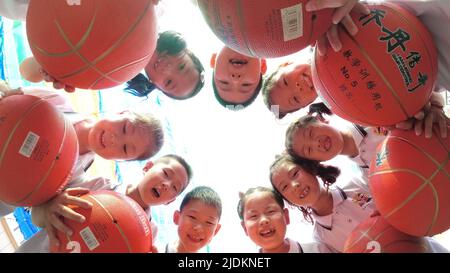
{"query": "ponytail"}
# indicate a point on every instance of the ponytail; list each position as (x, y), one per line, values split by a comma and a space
(139, 86)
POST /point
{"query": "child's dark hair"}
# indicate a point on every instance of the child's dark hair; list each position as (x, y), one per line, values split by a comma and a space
(171, 43)
(269, 83)
(180, 160)
(237, 106)
(316, 108)
(206, 195)
(328, 175)
(244, 196)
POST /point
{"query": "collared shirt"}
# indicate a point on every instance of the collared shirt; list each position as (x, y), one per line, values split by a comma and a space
(351, 206)
(367, 140)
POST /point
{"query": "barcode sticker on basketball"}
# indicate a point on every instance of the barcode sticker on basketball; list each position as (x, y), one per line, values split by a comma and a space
(29, 144)
(292, 22)
(89, 238)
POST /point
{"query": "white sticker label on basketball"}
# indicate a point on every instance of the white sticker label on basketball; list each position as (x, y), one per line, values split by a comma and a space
(292, 22)
(89, 238)
(29, 144)
(73, 2)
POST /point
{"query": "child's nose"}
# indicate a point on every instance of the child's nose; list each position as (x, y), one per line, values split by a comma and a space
(236, 76)
(264, 220)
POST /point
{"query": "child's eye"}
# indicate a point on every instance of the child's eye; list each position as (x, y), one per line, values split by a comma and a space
(309, 151)
(192, 217)
(283, 188)
(181, 67)
(125, 149)
(168, 82)
(223, 82)
(285, 82)
(174, 188)
(209, 223)
(165, 173)
(125, 128)
(246, 84)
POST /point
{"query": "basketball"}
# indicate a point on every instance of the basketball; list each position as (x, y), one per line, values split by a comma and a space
(116, 223)
(30, 70)
(383, 75)
(375, 235)
(409, 181)
(38, 150)
(93, 44)
(265, 28)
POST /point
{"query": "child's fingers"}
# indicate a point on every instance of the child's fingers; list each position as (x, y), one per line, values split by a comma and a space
(80, 202)
(349, 25)
(314, 5)
(405, 125)
(443, 121)
(361, 8)
(68, 213)
(342, 11)
(333, 38)
(69, 89)
(428, 125)
(418, 125)
(77, 191)
(53, 239)
(322, 45)
(56, 222)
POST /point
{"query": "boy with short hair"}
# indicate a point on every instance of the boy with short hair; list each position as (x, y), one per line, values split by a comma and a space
(197, 220)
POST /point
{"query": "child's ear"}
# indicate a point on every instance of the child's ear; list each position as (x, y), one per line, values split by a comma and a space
(212, 62)
(286, 216)
(243, 226)
(147, 166)
(263, 66)
(176, 217)
(217, 229)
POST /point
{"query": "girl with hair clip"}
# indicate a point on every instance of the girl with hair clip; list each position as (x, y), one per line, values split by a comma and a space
(311, 137)
(334, 211)
(173, 69)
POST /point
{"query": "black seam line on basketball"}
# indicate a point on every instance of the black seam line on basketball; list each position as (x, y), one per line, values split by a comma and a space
(426, 182)
(115, 224)
(119, 68)
(418, 33)
(383, 78)
(72, 50)
(316, 52)
(50, 169)
(107, 52)
(421, 150)
(242, 27)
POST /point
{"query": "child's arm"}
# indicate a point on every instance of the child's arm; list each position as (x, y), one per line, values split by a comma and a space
(48, 215)
(431, 113)
(341, 15)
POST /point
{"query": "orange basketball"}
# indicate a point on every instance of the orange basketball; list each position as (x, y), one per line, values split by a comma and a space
(38, 150)
(265, 28)
(92, 44)
(116, 223)
(410, 184)
(375, 235)
(383, 75)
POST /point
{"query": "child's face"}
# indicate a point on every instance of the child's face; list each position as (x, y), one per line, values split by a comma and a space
(236, 76)
(197, 225)
(117, 137)
(296, 185)
(163, 182)
(176, 76)
(293, 88)
(264, 220)
(318, 141)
